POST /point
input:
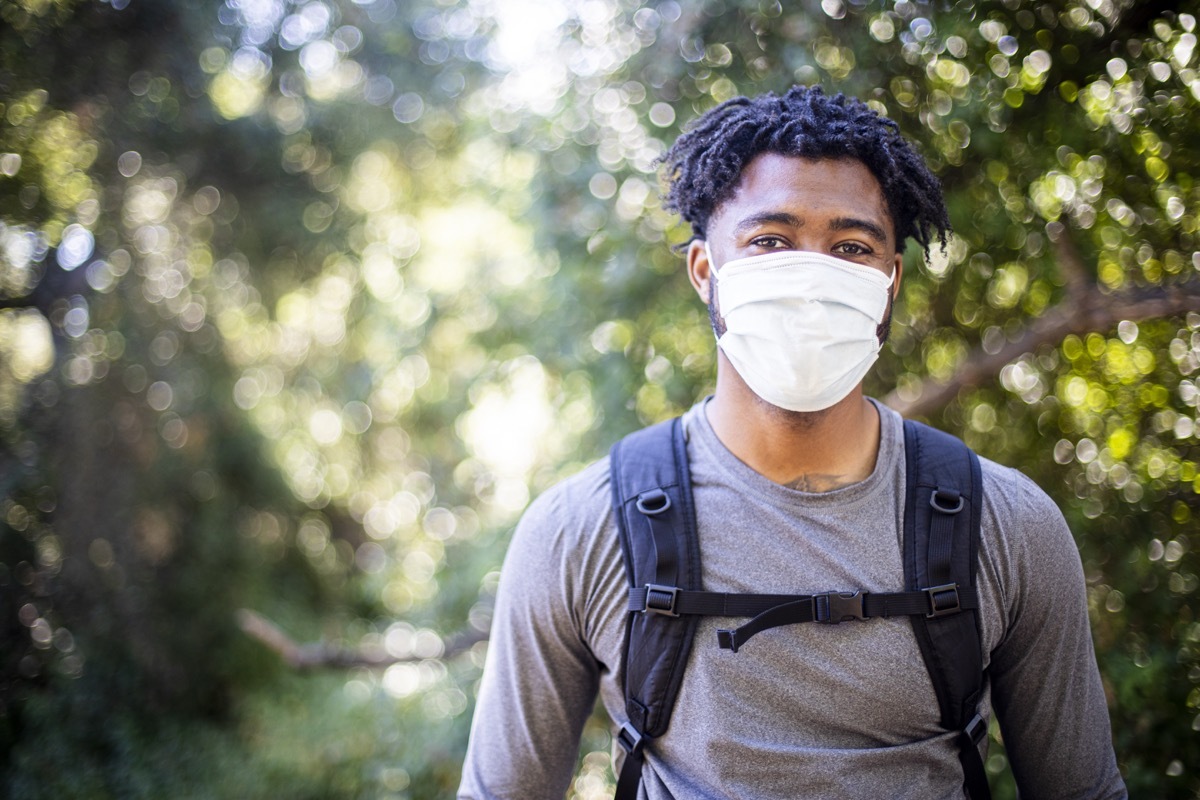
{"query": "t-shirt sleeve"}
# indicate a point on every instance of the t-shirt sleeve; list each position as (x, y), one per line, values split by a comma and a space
(1046, 688)
(540, 678)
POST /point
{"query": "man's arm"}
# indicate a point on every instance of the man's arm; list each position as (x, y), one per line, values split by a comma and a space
(1046, 688)
(540, 679)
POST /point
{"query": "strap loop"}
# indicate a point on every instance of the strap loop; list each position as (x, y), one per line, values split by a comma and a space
(653, 502)
(947, 501)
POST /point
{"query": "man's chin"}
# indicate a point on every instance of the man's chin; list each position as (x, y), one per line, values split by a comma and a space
(795, 419)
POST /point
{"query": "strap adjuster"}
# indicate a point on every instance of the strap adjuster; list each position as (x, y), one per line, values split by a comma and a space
(661, 599)
(630, 739)
(976, 729)
(834, 607)
(943, 600)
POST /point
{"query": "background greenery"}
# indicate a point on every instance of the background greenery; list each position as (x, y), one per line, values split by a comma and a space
(302, 300)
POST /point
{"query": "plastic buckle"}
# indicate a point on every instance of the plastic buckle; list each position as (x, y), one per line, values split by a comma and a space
(953, 500)
(834, 607)
(661, 599)
(630, 740)
(976, 729)
(943, 600)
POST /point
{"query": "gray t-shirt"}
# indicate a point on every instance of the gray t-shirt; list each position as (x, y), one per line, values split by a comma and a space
(803, 711)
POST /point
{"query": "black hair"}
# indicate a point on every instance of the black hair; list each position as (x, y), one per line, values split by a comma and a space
(705, 163)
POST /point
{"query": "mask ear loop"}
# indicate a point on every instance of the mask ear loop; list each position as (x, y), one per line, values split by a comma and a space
(884, 330)
(717, 323)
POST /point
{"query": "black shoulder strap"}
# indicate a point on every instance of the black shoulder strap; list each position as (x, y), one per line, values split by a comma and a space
(652, 499)
(943, 503)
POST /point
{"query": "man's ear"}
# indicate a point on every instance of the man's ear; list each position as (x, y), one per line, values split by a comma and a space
(898, 275)
(698, 267)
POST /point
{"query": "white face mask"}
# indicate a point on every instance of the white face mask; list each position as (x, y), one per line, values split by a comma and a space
(801, 328)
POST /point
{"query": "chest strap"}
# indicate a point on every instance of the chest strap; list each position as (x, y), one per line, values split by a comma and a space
(774, 610)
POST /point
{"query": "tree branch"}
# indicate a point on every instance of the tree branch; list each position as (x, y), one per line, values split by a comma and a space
(320, 655)
(1093, 311)
(7, 303)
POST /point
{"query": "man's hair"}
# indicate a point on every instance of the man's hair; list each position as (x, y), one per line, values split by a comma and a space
(705, 163)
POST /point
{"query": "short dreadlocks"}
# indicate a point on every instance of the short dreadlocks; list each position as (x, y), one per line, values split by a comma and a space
(704, 165)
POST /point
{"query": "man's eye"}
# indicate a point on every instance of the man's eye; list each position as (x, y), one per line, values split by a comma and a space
(852, 249)
(770, 243)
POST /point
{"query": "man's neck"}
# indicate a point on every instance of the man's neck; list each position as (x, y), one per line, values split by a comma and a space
(812, 452)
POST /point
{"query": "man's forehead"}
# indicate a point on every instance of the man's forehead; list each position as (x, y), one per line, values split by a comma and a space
(783, 186)
(771, 169)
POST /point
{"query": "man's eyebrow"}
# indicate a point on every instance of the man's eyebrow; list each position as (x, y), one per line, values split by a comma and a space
(750, 223)
(854, 223)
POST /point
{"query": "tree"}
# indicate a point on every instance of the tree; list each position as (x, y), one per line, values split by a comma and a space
(300, 302)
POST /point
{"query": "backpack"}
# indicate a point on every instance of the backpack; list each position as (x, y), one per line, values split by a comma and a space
(656, 520)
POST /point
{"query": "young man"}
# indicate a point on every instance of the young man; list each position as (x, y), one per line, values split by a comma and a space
(800, 206)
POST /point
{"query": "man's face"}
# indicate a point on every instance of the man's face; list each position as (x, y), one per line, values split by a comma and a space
(830, 206)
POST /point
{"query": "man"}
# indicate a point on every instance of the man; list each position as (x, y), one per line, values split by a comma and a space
(800, 206)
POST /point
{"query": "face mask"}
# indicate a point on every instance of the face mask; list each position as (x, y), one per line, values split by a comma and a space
(801, 328)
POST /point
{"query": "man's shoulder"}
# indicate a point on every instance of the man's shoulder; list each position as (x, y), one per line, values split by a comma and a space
(1014, 506)
(1006, 490)
(1012, 493)
(1024, 533)
(574, 503)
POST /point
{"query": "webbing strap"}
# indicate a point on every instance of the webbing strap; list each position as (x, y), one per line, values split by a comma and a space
(773, 610)
(786, 614)
(630, 778)
(946, 503)
(975, 781)
(654, 598)
(652, 504)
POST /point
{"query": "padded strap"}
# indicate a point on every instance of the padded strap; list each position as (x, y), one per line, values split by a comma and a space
(656, 523)
(942, 518)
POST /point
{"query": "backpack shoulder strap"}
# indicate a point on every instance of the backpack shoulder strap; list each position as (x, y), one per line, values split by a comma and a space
(943, 504)
(656, 521)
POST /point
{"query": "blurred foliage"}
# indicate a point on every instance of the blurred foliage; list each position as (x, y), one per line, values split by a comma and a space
(300, 302)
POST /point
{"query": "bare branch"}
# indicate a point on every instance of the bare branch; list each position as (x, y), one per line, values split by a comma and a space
(323, 656)
(16, 302)
(1095, 311)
